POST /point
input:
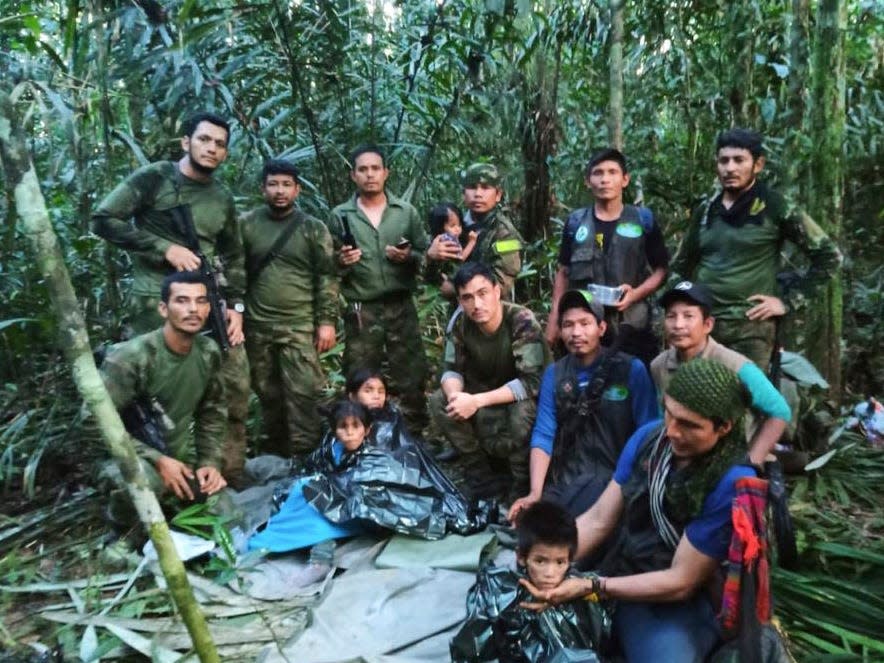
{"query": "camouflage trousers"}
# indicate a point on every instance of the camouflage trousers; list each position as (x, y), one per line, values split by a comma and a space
(494, 434)
(143, 317)
(388, 329)
(752, 338)
(288, 379)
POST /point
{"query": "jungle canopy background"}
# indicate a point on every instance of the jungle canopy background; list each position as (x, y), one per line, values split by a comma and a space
(535, 87)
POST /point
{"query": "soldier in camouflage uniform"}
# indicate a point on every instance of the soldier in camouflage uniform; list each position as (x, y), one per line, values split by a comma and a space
(135, 217)
(291, 310)
(180, 370)
(380, 244)
(495, 355)
(499, 243)
(733, 247)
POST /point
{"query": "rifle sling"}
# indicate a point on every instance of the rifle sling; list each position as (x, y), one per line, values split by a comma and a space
(267, 258)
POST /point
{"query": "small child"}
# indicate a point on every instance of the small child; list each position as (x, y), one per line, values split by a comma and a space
(368, 388)
(446, 219)
(299, 524)
(497, 627)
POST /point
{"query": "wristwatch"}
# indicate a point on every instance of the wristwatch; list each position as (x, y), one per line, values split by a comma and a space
(239, 307)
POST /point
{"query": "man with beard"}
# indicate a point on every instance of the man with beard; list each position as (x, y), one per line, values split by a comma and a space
(291, 310)
(733, 247)
(136, 216)
(174, 373)
(494, 357)
(591, 401)
(499, 243)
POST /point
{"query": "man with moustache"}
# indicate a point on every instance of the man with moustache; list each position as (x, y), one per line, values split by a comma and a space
(499, 244)
(494, 357)
(136, 217)
(591, 401)
(291, 310)
(380, 242)
(733, 247)
(176, 370)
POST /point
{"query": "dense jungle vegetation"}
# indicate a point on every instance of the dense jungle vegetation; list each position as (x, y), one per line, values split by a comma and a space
(102, 87)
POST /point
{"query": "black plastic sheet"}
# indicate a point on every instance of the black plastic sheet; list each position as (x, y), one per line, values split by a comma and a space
(497, 629)
(394, 483)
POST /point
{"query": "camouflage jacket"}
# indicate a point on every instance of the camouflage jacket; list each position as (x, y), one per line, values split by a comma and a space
(515, 355)
(188, 388)
(134, 217)
(499, 246)
(738, 260)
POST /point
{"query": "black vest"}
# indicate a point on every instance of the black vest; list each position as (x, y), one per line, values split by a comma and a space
(625, 261)
(597, 431)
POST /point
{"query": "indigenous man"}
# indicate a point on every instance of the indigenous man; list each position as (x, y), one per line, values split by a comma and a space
(494, 357)
(614, 245)
(671, 496)
(499, 243)
(380, 243)
(688, 324)
(136, 216)
(291, 310)
(733, 247)
(174, 374)
(591, 402)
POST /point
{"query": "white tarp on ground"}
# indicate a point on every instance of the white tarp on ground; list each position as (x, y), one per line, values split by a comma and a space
(378, 615)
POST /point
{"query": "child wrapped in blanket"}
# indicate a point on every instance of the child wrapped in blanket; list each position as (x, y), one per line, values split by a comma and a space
(499, 627)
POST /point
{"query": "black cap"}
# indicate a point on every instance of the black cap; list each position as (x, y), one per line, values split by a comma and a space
(581, 299)
(687, 291)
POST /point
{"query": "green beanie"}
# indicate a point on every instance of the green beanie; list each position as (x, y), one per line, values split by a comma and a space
(710, 389)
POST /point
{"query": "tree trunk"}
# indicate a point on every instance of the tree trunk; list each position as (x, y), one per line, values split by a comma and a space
(21, 178)
(615, 67)
(827, 122)
(799, 83)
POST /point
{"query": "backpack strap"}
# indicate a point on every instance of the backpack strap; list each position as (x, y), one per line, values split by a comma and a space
(257, 266)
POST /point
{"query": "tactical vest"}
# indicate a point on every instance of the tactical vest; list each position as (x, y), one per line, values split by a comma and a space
(598, 433)
(625, 261)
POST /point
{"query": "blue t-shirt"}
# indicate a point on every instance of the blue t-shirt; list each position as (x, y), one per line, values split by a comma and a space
(644, 401)
(710, 532)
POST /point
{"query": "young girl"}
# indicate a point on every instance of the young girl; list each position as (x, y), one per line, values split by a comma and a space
(299, 523)
(446, 219)
(367, 387)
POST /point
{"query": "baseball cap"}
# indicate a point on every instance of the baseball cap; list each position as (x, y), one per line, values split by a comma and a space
(688, 291)
(581, 299)
(481, 173)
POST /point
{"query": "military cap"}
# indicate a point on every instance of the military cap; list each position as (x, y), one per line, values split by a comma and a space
(481, 173)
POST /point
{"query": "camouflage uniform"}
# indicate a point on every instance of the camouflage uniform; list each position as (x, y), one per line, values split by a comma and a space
(515, 356)
(738, 259)
(145, 196)
(381, 321)
(499, 244)
(296, 292)
(190, 391)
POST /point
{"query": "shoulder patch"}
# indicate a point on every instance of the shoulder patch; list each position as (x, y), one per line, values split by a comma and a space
(630, 230)
(507, 245)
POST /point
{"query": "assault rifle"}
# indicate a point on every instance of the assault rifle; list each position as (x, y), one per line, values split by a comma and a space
(182, 225)
(145, 420)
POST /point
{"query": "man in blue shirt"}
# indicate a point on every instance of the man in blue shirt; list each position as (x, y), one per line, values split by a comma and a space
(670, 503)
(590, 402)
